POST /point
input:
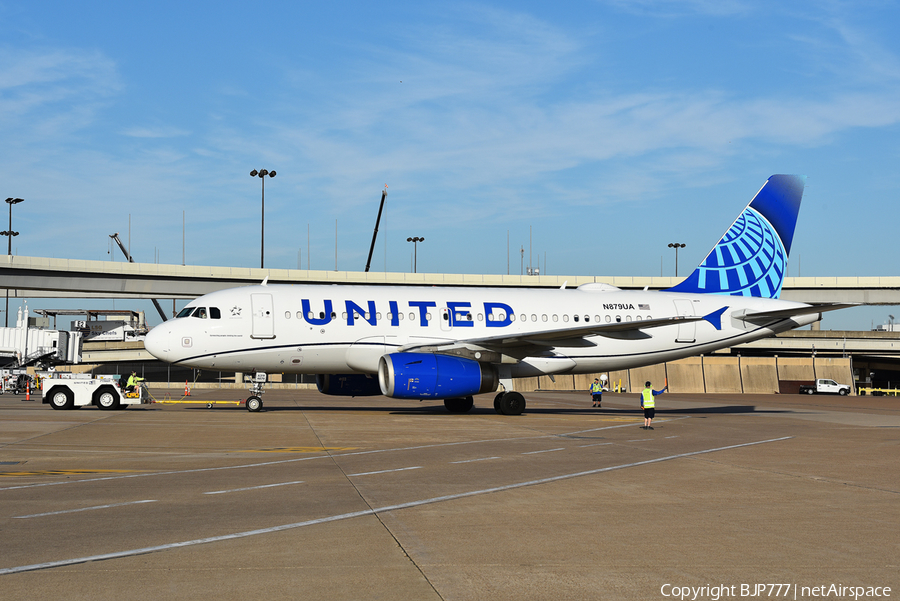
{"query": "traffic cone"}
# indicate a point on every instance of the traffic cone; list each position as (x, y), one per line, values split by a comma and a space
(187, 391)
(27, 393)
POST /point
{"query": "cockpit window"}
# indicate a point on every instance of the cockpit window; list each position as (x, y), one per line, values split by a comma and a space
(214, 313)
(200, 313)
(185, 312)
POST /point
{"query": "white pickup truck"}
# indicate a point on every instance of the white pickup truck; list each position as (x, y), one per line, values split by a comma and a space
(825, 386)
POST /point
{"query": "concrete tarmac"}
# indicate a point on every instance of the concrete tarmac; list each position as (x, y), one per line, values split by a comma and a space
(323, 497)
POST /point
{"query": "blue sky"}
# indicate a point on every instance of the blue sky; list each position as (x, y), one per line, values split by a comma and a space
(607, 129)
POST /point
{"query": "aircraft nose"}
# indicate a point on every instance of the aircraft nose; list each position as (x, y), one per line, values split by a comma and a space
(158, 342)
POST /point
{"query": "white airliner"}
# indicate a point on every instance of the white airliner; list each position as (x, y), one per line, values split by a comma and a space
(451, 343)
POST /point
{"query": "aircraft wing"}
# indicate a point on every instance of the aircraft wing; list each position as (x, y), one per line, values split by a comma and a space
(567, 336)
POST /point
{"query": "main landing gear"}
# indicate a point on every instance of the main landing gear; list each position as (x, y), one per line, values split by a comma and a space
(509, 403)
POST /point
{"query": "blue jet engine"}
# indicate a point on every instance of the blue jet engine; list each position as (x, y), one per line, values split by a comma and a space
(432, 376)
(348, 385)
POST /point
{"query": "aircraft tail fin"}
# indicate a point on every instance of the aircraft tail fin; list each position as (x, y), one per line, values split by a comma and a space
(751, 258)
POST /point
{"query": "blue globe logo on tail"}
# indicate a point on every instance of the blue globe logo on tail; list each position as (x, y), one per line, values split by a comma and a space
(751, 258)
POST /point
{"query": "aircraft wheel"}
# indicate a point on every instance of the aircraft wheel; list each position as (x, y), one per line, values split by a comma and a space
(497, 402)
(254, 404)
(459, 405)
(512, 403)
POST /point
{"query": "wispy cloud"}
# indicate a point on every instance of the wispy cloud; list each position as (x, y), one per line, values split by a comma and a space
(164, 131)
(52, 91)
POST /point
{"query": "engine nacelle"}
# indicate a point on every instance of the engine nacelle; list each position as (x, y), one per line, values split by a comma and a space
(348, 385)
(432, 376)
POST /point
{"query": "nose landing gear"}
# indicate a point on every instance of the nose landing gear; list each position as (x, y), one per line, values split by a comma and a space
(254, 403)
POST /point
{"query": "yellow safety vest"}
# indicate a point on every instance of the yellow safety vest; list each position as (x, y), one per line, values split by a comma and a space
(596, 387)
(647, 395)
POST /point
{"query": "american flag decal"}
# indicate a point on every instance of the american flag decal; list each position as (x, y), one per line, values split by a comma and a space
(643, 307)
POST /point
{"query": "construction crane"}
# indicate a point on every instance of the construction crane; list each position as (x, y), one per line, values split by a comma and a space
(130, 260)
(377, 221)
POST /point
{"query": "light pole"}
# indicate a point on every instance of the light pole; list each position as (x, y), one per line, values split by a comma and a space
(9, 234)
(262, 173)
(415, 240)
(676, 246)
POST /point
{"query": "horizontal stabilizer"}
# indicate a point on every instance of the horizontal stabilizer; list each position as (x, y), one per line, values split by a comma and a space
(793, 312)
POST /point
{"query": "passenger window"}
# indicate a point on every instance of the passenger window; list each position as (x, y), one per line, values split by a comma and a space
(412, 316)
(299, 315)
(556, 318)
(575, 318)
(214, 313)
(544, 317)
(287, 314)
(608, 319)
(618, 319)
(565, 318)
(533, 317)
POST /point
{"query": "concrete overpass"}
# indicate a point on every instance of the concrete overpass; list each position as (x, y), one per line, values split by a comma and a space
(41, 277)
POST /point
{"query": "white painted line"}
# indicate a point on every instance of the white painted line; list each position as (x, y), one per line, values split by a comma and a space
(596, 444)
(544, 451)
(312, 458)
(473, 460)
(639, 439)
(402, 469)
(40, 515)
(671, 437)
(219, 492)
(355, 514)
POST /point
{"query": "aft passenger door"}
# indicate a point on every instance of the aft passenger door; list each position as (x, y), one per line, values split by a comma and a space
(686, 331)
(263, 316)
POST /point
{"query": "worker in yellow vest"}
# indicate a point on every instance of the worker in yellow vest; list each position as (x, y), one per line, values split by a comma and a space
(596, 392)
(648, 404)
(133, 381)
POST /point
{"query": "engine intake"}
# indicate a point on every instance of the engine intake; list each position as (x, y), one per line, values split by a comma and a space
(348, 385)
(433, 376)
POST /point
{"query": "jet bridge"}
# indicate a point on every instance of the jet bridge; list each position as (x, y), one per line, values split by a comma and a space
(30, 346)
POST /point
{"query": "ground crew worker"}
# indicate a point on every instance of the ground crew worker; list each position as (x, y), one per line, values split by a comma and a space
(133, 381)
(596, 392)
(648, 404)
